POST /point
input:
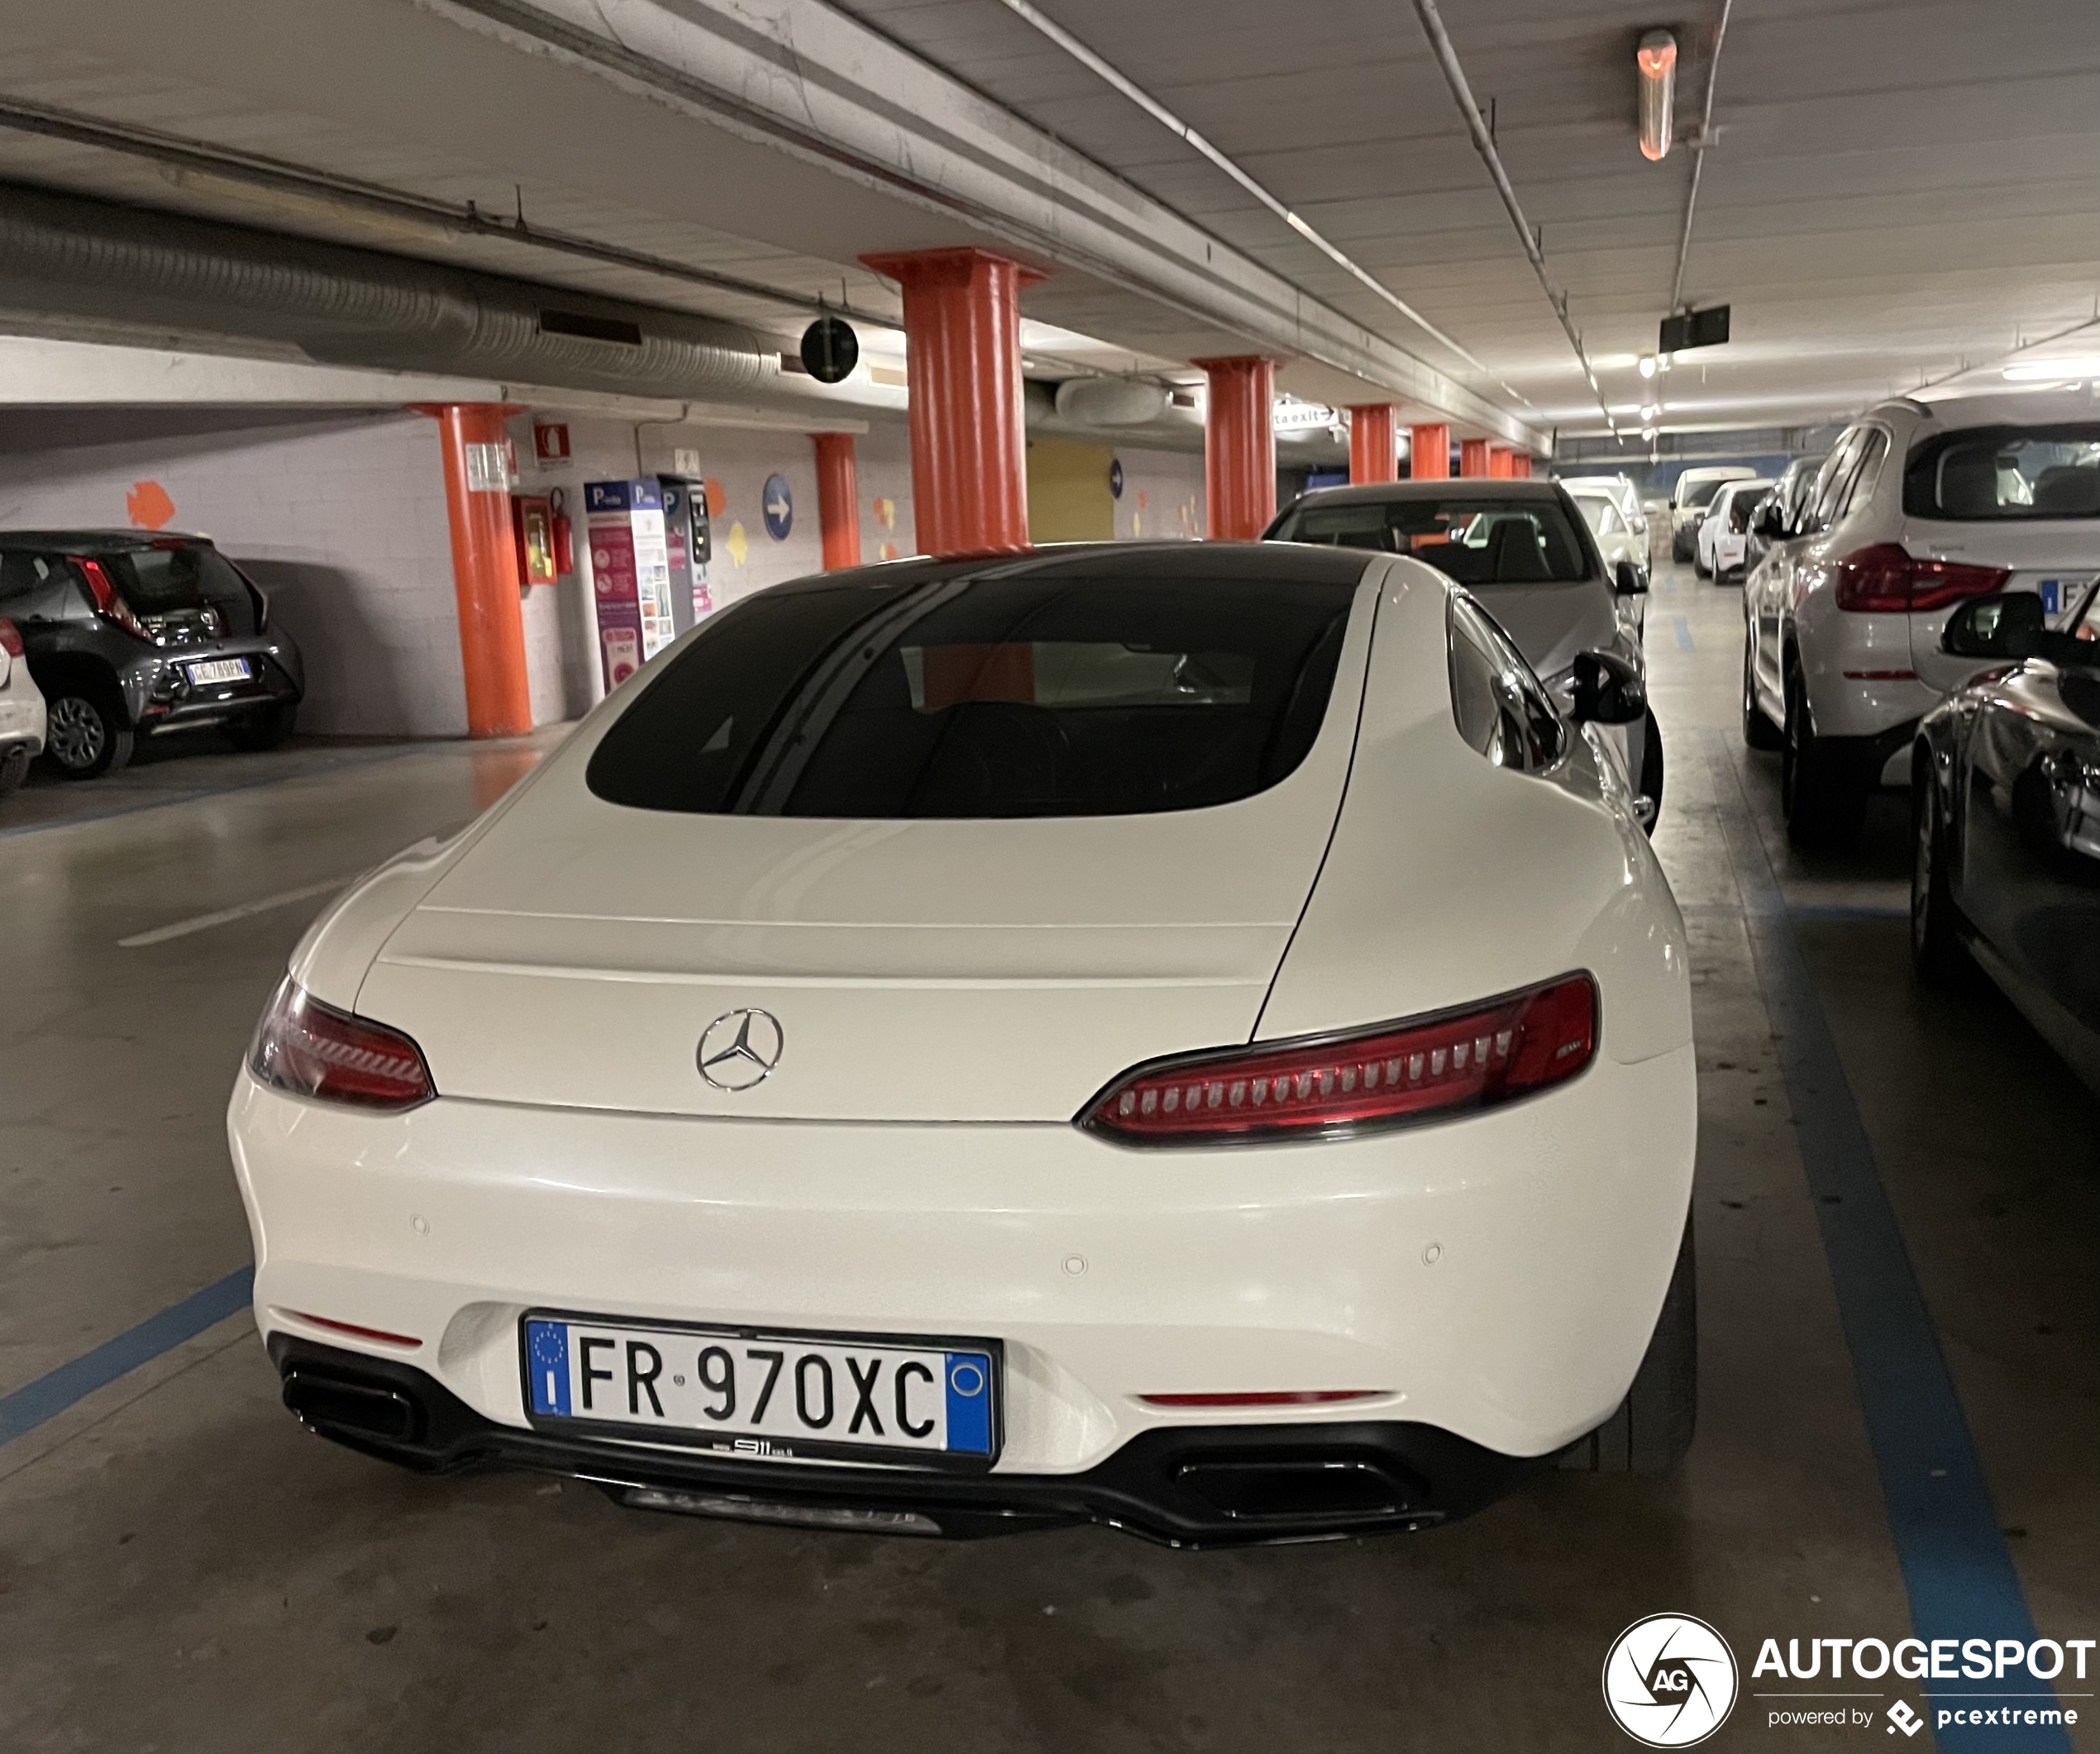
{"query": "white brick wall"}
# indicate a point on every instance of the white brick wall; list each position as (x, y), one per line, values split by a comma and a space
(341, 520)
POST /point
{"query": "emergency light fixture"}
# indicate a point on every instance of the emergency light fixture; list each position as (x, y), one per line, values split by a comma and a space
(1656, 62)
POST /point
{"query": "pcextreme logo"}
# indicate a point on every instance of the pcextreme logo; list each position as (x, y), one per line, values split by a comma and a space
(1669, 1681)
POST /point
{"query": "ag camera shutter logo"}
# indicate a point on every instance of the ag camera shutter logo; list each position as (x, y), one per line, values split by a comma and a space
(1669, 1681)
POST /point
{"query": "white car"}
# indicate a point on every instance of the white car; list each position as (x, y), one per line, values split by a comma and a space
(1690, 497)
(1919, 506)
(1616, 540)
(1724, 535)
(21, 711)
(1187, 1036)
(1622, 493)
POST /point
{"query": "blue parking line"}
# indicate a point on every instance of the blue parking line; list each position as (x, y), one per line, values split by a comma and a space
(1683, 633)
(54, 1391)
(1957, 1573)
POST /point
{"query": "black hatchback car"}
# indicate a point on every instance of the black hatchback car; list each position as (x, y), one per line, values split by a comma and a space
(132, 635)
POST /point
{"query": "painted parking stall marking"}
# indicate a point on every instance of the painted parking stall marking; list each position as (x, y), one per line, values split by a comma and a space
(764, 1393)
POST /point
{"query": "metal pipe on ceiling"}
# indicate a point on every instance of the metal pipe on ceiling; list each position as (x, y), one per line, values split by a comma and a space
(195, 165)
(1699, 157)
(1116, 80)
(1454, 76)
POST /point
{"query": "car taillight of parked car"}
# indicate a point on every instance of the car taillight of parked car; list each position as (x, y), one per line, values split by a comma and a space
(109, 605)
(1424, 1069)
(1886, 579)
(310, 1049)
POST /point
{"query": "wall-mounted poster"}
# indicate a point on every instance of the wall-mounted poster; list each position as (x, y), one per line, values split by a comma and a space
(630, 571)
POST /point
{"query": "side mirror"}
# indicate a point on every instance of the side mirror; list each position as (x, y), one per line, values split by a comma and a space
(1608, 691)
(1769, 523)
(2008, 625)
(1628, 579)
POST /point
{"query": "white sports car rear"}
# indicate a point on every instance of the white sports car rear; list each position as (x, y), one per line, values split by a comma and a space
(1189, 1038)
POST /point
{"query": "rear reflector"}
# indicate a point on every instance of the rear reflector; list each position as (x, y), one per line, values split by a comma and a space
(10, 638)
(313, 1050)
(1885, 579)
(1881, 676)
(1264, 1397)
(1424, 1069)
(353, 1329)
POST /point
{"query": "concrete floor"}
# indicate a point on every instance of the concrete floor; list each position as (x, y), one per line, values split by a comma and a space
(181, 1566)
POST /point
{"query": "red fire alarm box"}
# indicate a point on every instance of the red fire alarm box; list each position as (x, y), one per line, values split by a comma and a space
(533, 516)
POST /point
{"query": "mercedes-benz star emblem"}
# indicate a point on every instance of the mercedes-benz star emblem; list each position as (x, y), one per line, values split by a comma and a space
(740, 1049)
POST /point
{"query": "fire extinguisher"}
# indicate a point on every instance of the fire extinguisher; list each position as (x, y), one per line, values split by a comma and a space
(565, 557)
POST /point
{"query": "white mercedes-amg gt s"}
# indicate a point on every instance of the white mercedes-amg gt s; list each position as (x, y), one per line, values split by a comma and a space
(1190, 1037)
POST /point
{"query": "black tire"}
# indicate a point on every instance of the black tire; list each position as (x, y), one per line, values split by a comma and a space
(1651, 770)
(14, 767)
(1824, 802)
(1938, 954)
(1759, 730)
(1680, 549)
(86, 735)
(1650, 1431)
(1699, 567)
(267, 727)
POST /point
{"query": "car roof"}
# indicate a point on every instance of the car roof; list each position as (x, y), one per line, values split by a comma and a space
(98, 541)
(2006, 408)
(1271, 563)
(1471, 487)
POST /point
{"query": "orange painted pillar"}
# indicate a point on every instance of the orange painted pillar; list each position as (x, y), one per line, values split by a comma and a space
(1374, 446)
(1520, 464)
(1498, 462)
(838, 499)
(1238, 447)
(1472, 457)
(1428, 456)
(484, 567)
(969, 450)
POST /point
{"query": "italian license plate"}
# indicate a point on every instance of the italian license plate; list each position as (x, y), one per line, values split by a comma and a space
(220, 669)
(753, 1393)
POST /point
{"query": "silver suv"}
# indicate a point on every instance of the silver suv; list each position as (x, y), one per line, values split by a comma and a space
(1920, 506)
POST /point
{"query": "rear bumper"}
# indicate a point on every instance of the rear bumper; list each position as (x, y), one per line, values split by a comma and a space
(1188, 1486)
(161, 696)
(1496, 1277)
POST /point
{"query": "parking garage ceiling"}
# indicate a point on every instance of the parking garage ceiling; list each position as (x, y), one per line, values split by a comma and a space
(1892, 192)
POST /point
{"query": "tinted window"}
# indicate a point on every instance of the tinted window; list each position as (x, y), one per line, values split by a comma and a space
(2006, 472)
(1691, 495)
(1027, 693)
(1499, 704)
(1831, 479)
(1475, 542)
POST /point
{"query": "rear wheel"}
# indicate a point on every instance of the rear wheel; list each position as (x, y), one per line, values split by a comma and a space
(1652, 1428)
(1824, 802)
(1759, 730)
(1700, 566)
(86, 736)
(1937, 952)
(14, 767)
(267, 727)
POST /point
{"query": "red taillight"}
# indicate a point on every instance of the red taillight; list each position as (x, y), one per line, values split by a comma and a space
(1885, 579)
(313, 1050)
(1421, 1069)
(108, 605)
(1264, 1397)
(10, 638)
(356, 1330)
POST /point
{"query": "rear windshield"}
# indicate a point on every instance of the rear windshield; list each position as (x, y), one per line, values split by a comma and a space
(173, 578)
(1106, 694)
(1475, 542)
(1992, 473)
(1691, 495)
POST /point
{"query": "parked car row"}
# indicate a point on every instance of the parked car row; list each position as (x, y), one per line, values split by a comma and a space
(1922, 611)
(110, 635)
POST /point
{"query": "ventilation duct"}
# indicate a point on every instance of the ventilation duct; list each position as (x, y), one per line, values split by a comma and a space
(341, 306)
(1110, 402)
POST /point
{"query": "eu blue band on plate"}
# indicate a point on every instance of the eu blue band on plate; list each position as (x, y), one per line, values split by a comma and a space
(547, 1345)
(969, 1386)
